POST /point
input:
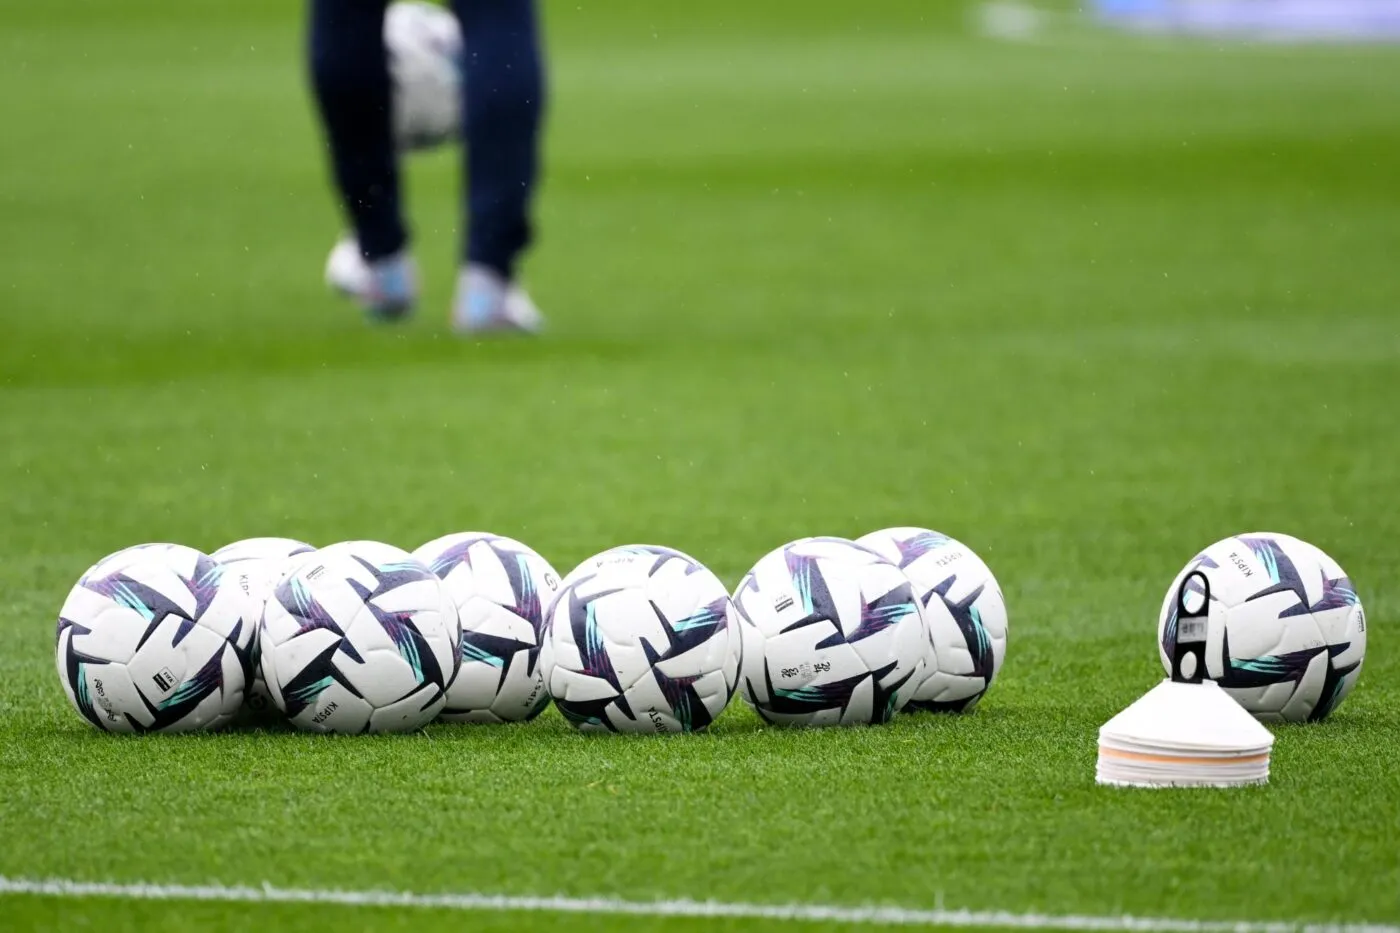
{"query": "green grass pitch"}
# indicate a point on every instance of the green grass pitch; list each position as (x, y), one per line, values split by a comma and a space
(1088, 304)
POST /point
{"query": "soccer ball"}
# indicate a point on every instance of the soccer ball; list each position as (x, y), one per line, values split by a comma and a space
(154, 638)
(1285, 631)
(965, 611)
(833, 635)
(641, 639)
(360, 637)
(501, 589)
(256, 564)
(424, 42)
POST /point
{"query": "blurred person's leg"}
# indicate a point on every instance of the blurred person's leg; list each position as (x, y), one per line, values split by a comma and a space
(504, 108)
(350, 76)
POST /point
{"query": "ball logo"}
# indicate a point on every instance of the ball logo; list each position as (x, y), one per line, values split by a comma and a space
(324, 714)
(806, 670)
(103, 702)
(947, 559)
(164, 680)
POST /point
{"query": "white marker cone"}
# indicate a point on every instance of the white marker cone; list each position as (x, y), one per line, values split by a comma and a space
(1183, 735)
(1185, 732)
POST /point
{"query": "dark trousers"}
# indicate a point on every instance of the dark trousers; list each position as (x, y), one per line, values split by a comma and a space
(504, 102)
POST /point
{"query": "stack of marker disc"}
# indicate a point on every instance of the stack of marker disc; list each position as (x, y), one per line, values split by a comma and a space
(1184, 735)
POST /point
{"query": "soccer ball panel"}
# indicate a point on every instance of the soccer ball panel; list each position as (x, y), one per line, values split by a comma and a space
(627, 626)
(414, 617)
(173, 650)
(139, 554)
(377, 672)
(260, 549)
(293, 658)
(493, 620)
(661, 703)
(794, 669)
(101, 692)
(337, 709)
(106, 631)
(1349, 648)
(577, 687)
(410, 712)
(1260, 627)
(483, 694)
(203, 700)
(710, 655)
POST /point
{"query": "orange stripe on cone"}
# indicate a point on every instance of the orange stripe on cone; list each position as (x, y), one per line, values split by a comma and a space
(1178, 759)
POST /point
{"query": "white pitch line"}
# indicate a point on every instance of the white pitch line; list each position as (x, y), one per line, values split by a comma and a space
(883, 916)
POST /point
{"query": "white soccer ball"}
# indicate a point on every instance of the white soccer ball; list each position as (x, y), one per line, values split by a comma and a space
(1285, 630)
(424, 42)
(501, 589)
(965, 611)
(155, 638)
(255, 564)
(360, 637)
(641, 639)
(833, 635)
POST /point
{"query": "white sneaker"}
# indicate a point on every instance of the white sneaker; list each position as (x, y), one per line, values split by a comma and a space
(486, 303)
(387, 288)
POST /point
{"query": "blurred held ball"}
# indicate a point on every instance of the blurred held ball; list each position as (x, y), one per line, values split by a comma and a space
(501, 589)
(360, 637)
(641, 639)
(833, 635)
(1285, 631)
(255, 565)
(424, 46)
(156, 638)
(965, 611)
